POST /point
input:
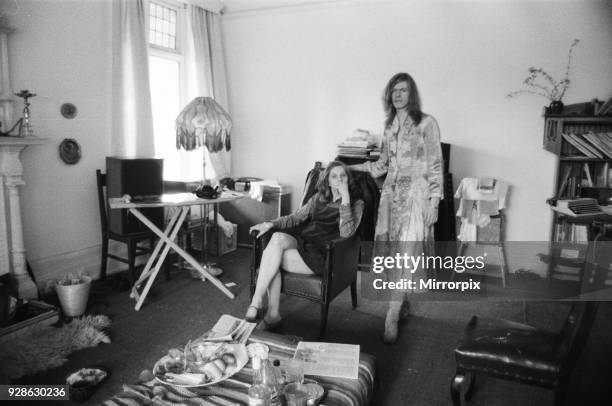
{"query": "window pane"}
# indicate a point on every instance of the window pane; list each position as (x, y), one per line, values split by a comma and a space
(164, 77)
(161, 26)
(165, 99)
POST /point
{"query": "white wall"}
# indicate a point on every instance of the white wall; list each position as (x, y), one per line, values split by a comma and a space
(301, 79)
(61, 50)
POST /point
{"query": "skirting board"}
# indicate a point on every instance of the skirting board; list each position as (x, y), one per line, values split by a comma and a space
(84, 261)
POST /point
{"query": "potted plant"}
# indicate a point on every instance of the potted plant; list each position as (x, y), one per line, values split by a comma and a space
(541, 83)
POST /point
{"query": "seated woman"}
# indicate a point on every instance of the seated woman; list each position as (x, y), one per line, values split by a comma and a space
(334, 211)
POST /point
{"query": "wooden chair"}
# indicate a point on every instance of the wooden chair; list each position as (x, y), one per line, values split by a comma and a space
(132, 240)
(491, 235)
(341, 258)
(519, 352)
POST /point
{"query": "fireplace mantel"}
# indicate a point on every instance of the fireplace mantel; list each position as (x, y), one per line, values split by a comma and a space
(12, 250)
(23, 141)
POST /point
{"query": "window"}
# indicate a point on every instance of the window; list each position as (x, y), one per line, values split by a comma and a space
(167, 31)
(162, 26)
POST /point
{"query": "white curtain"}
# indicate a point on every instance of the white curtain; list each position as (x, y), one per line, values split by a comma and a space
(132, 117)
(205, 68)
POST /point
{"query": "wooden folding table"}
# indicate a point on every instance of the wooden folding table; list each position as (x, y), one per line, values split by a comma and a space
(183, 201)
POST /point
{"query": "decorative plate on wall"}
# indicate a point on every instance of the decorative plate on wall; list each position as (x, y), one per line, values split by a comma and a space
(68, 110)
(70, 151)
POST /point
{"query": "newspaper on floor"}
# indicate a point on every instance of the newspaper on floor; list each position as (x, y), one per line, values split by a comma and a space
(230, 328)
(329, 359)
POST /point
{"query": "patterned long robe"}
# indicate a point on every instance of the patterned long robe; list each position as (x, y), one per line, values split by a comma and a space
(411, 157)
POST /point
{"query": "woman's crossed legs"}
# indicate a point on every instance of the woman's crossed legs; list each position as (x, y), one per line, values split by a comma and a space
(281, 252)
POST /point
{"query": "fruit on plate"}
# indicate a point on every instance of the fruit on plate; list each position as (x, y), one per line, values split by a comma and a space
(186, 378)
(212, 371)
(201, 363)
(220, 364)
(229, 359)
(169, 364)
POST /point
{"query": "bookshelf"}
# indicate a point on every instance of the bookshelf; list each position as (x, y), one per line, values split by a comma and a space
(583, 145)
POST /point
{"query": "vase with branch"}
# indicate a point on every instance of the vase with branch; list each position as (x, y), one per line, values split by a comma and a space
(541, 83)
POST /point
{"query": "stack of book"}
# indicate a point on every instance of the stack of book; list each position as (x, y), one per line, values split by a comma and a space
(355, 149)
(361, 144)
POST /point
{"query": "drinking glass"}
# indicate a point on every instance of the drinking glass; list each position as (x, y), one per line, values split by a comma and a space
(295, 395)
(295, 371)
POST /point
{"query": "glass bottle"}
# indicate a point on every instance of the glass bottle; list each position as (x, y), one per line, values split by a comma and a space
(259, 394)
(280, 379)
(266, 375)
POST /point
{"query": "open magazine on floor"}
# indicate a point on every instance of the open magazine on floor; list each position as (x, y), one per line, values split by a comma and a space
(329, 359)
(230, 328)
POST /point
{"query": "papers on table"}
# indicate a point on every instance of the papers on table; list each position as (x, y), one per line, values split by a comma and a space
(329, 359)
(230, 328)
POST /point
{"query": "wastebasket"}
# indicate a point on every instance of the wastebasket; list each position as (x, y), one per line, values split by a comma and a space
(73, 297)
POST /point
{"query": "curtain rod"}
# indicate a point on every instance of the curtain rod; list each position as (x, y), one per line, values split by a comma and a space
(214, 6)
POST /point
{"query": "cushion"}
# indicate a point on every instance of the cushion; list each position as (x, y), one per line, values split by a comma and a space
(307, 286)
(510, 350)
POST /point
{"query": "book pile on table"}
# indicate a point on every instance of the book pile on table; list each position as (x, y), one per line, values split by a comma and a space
(361, 144)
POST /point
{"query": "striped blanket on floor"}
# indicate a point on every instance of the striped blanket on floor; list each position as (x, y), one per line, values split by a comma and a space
(233, 391)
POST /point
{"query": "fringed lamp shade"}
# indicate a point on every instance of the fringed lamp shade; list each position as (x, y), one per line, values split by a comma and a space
(203, 122)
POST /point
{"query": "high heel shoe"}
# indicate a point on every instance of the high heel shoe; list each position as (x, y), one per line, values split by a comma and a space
(272, 326)
(252, 314)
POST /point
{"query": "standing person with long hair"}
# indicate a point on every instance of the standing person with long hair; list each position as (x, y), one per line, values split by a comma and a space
(411, 157)
(334, 211)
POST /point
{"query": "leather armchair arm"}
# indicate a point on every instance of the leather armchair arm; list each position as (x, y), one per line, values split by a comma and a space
(341, 263)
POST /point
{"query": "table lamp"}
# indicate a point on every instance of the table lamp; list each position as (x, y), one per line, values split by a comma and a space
(204, 123)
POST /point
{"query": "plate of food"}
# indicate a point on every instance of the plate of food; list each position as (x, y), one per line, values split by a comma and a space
(202, 363)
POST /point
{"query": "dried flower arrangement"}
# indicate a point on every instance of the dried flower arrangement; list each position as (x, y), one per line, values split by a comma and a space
(541, 83)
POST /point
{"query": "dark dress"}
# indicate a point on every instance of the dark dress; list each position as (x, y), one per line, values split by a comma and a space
(318, 223)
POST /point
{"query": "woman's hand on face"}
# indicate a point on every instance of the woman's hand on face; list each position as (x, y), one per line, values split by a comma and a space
(343, 189)
(431, 215)
(261, 228)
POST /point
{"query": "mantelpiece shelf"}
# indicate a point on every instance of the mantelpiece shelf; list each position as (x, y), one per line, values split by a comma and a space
(16, 141)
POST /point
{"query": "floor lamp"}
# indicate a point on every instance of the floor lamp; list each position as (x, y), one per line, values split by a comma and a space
(203, 123)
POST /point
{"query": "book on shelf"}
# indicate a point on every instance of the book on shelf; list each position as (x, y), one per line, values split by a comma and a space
(578, 143)
(600, 142)
(587, 172)
(564, 184)
(587, 144)
(606, 138)
(571, 233)
(605, 108)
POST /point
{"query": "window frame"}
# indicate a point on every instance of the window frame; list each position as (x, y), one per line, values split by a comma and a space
(177, 54)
